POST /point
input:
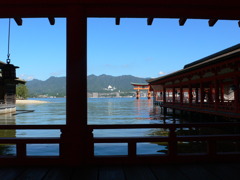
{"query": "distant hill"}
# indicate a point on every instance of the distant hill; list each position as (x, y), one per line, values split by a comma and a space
(56, 86)
(53, 86)
(122, 83)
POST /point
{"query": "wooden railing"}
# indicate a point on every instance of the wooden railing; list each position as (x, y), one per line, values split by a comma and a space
(21, 143)
(226, 106)
(172, 139)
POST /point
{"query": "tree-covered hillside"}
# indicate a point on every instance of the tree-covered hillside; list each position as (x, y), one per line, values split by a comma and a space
(56, 86)
(120, 83)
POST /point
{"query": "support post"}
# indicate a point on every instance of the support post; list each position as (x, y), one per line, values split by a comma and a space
(172, 144)
(181, 95)
(190, 94)
(202, 94)
(164, 95)
(77, 145)
(216, 94)
(236, 93)
(197, 97)
(222, 93)
(173, 95)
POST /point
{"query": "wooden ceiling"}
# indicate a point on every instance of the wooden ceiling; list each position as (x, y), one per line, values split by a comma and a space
(196, 9)
(213, 10)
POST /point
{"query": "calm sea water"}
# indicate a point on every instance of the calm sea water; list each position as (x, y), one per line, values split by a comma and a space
(100, 111)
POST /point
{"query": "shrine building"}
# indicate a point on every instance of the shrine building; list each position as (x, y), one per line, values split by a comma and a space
(209, 85)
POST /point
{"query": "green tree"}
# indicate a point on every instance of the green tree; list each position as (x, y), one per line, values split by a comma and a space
(21, 91)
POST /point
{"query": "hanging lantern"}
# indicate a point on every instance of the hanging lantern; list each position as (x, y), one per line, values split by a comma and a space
(9, 71)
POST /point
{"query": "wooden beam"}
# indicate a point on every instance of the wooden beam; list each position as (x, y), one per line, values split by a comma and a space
(212, 22)
(182, 21)
(18, 21)
(51, 20)
(117, 21)
(149, 21)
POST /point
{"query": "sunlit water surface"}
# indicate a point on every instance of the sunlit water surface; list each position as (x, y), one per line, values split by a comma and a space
(100, 111)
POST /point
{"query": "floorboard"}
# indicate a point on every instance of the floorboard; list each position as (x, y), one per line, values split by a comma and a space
(59, 173)
(138, 173)
(85, 173)
(167, 172)
(10, 173)
(111, 173)
(36, 173)
(212, 171)
(197, 172)
(223, 171)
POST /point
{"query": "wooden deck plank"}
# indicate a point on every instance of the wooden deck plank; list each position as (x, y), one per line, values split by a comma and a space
(36, 173)
(10, 173)
(235, 165)
(85, 173)
(197, 172)
(111, 173)
(138, 173)
(167, 172)
(59, 173)
(213, 171)
(223, 171)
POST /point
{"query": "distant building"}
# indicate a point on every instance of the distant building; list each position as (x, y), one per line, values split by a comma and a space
(95, 95)
(110, 88)
(8, 82)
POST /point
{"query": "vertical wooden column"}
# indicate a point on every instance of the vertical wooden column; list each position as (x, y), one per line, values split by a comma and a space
(202, 93)
(76, 138)
(236, 93)
(164, 95)
(216, 95)
(190, 94)
(197, 97)
(222, 93)
(181, 94)
(173, 94)
(210, 99)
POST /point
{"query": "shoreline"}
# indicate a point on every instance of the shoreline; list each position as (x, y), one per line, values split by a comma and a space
(30, 102)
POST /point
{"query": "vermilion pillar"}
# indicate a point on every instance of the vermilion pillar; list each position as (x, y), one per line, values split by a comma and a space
(222, 93)
(173, 94)
(190, 94)
(216, 94)
(76, 135)
(202, 93)
(236, 93)
(181, 94)
(197, 96)
(164, 95)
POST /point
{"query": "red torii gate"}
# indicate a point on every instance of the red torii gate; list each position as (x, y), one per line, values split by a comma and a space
(141, 86)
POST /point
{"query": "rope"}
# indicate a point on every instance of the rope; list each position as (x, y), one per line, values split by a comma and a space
(9, 36)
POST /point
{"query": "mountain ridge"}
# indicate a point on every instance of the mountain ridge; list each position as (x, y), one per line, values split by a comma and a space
(56, 86)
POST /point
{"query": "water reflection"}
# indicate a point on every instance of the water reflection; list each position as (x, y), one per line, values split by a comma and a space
(7, 149)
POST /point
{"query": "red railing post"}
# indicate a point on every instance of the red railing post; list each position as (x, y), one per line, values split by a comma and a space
(211, 147)
(21, 150)
(132, 150)
(172, 143)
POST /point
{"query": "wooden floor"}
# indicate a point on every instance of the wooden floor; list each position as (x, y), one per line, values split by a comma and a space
(220, 171)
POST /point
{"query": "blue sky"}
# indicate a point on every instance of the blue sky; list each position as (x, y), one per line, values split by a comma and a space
(132, 48)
